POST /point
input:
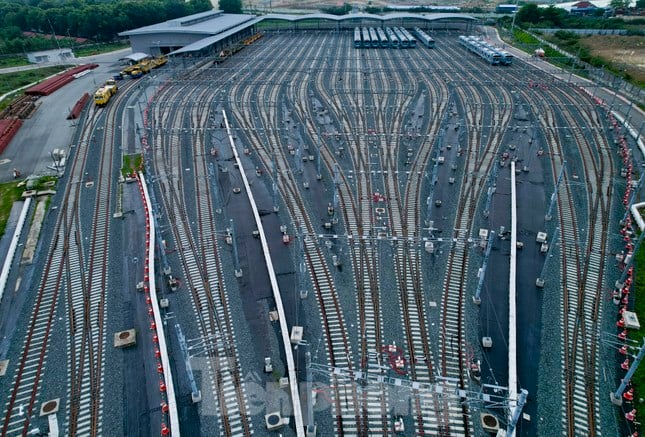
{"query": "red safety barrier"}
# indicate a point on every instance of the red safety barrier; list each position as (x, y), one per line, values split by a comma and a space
(52, 84)
(78, 107)
(8, 129)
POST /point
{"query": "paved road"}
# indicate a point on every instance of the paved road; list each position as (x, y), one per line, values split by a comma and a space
(48, 128)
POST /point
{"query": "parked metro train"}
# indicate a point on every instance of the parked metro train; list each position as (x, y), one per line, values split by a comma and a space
(490, 53)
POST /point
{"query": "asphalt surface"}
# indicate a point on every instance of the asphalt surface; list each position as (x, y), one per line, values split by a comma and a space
(47, 129)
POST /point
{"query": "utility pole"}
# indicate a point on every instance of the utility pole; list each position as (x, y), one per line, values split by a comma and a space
(554, 196)
(482, 271)
(492, 187)
(521, 401)
(195, 394)
(276, 208)
(311, 426)
(236, 258)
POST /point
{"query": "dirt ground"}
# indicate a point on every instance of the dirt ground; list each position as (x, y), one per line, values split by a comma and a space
(626, 50)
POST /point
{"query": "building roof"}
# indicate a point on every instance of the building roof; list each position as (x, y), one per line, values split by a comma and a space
(365, 16)
(567, 6)
(206, 23)
(135, 57)
(50, 52)
(583, 5)
(216, 26)
(409, 7)
(205, 42)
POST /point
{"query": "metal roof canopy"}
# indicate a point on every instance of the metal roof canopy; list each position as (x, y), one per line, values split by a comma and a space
(203, 43)
(361, 15)
(218, 26)
(207, 23)
(135, 57)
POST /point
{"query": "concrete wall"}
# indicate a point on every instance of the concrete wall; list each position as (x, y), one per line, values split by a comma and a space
(156, 43)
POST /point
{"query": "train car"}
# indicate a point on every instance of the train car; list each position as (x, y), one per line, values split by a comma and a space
(404, 43)
(394, 41)
(374, 41)
(357, 38)
(366, 38)
(162, 60)
(425, 39)
(412, 42)
(491, 56)
(482, 49)
(103, 95)
(507, 58)
(384, 42)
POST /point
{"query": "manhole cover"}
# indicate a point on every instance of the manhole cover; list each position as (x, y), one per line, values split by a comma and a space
(490, 421)
(50, 406)
(124, 335)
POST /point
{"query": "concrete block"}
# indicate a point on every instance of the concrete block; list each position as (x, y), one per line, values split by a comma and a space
(49, 407)
(125, 338)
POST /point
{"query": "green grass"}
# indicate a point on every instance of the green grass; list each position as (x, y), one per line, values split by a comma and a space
(638, 380)
(131, 164)
(98, 49)
(40, 183)
(9, 193)
(13, 61)
(13, 81)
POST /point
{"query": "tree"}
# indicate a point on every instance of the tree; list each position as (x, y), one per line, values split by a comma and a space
(554, 15)
(640, 4)
(619, 4)
(529, 13)
(231, 6)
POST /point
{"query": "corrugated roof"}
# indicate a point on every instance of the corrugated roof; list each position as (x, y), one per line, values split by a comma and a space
(203, 43)
(136, 57)
(207, 23)
(365, 16)
(221, 26)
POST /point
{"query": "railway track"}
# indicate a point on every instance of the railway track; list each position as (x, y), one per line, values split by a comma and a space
(583, 263)
(365, 108)
(81, 273)
(198, 248)
(87, 312)
(347, 418)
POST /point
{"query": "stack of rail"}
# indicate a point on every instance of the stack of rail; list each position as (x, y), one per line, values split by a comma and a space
(491, 54)
(22, 108)
(52, 84)
(8, 128)
(78, 107)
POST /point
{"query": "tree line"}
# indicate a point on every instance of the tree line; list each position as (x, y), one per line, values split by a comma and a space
(97, 21)
(530, 15)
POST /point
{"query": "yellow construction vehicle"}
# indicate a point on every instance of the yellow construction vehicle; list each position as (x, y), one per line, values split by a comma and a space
(103, 95)
(159, 61)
